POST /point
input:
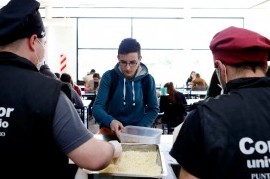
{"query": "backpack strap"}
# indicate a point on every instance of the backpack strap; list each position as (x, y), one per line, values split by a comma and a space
(145, 87)
(114, 81)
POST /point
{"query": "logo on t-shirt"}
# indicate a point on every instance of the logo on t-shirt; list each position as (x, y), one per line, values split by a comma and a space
(4, 113)
(250, 147)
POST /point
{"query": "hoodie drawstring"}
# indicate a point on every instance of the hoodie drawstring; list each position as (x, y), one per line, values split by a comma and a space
(124, 93)
(133, 93)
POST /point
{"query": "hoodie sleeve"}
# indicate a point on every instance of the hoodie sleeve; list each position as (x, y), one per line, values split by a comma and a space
(152, 109)
(99, 106)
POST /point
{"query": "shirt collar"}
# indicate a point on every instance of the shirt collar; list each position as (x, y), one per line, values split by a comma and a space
(247, 83)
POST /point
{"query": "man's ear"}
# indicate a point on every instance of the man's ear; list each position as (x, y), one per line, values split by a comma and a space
(222, 72)
(218, 64)
(31, 42)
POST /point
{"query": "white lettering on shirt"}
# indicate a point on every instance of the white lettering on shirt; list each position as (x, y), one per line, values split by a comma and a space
(260, 176)
(4, 113)
(248, 147)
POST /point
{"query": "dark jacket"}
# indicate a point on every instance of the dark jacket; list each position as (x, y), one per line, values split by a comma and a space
(174, 112)
(28, 101)
(228, 136)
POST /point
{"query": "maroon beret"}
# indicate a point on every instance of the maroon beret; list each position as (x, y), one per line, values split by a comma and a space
(237, 46)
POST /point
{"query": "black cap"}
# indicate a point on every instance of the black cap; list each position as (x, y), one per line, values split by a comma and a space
(20, 19)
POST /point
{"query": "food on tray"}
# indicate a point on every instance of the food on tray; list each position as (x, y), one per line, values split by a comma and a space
(135, 162)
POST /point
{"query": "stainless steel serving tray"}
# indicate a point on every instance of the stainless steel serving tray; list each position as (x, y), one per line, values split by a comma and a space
(139, 147)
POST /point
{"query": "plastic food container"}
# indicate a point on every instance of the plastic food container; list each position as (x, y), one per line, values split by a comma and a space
(144, 135)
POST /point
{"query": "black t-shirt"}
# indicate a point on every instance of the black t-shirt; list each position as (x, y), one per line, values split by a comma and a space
(191, 162)
(228, 136)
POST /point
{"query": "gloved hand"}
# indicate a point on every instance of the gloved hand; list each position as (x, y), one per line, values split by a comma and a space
(117, 148)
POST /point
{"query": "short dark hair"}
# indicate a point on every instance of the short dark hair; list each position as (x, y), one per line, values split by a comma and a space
(96, 75)
(92, 71)
(129, 45)
(65, 78)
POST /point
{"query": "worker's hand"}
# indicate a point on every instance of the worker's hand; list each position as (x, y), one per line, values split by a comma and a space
(117, 148)
(116, 126)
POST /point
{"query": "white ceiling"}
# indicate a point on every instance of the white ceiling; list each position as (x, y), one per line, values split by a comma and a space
(243, 4)
(217, 4)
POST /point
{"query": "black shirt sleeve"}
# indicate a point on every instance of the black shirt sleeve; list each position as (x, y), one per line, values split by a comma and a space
(188, 148)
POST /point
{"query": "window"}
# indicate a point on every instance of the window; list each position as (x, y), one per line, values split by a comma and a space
(171, 47)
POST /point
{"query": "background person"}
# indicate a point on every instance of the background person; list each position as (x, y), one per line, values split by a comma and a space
(88, 77)
(198, 83)
(75, 97)
(173, 107)
(94, 83)
(96, 79)
(174, 95)
(126, 105)
(76, 88)
(45, 69)
(226, 137)
(190, 78)
(42, 129)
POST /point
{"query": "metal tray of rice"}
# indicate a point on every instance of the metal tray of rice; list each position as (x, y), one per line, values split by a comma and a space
(137, 160)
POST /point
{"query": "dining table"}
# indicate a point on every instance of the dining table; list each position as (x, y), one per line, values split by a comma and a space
(88, 95)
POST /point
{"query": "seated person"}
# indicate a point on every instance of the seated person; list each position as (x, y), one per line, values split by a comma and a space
(45, 69)
(88, 77)
(172, 106)
(75, 98)
(76, 88)
(198, 84)
(190, 78)
(93, 84)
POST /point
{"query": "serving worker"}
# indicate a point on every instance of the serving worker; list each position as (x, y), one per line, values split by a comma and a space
(39, 126)
(228, 136)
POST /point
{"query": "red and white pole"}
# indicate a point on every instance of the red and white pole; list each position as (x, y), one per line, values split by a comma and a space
(63, 63)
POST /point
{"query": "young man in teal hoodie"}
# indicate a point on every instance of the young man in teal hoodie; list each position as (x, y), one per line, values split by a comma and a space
(127, 94)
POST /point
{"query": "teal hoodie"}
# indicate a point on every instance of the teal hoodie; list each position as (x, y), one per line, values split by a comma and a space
(126, 105)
